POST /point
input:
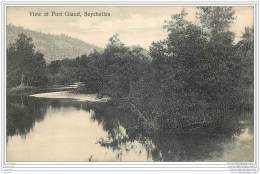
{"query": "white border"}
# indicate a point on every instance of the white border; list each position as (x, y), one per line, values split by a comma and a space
(119, 166)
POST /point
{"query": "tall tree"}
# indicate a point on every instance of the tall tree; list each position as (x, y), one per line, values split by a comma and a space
(179, 64)
(24, 65)
(216, 19)
(244, 51)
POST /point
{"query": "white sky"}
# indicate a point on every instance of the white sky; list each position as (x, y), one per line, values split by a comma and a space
(135, 25)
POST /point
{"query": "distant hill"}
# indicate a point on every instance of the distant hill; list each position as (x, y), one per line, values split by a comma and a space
(54, 47)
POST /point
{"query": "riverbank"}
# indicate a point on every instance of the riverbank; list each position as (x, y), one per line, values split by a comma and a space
(210, 121)
(30, 90)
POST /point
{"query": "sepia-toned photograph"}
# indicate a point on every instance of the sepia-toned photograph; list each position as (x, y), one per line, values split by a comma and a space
(129, 83)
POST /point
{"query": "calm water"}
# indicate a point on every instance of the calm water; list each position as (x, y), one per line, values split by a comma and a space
(62, 126)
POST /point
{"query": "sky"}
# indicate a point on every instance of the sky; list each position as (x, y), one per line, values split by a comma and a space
(136, 25)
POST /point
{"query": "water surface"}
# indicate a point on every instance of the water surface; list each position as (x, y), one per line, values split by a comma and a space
(64, 126)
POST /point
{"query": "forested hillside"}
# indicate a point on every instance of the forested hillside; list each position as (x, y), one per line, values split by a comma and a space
(54, 47)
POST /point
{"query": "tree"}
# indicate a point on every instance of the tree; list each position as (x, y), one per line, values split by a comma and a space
(222, 79)
(179, 63)
(196, 68)
(216, 19)
(25, 66)
(38, 76)
(244, 51)
(120, 67)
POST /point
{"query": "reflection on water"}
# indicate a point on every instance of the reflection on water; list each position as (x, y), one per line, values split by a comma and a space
(65, 133)
(66, 128)
(240, 149)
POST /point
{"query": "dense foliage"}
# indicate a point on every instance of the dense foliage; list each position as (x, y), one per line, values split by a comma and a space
(25, 66)
(196, 77)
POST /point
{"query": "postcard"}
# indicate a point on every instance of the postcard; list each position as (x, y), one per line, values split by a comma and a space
(129, 84)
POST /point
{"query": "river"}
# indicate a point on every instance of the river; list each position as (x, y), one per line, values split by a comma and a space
(65, 126)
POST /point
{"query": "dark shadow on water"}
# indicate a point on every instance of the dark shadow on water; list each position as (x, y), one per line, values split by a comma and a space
(24, 111)
(165, 145)
(123, 127)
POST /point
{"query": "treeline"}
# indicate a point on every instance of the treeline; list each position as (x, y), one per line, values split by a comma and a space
(197, 76)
